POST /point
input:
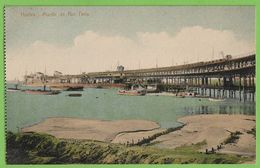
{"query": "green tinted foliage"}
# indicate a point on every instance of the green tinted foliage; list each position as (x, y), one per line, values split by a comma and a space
(42, 149)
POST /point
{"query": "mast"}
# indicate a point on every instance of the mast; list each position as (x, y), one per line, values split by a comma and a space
(213, 53)
(156, 63)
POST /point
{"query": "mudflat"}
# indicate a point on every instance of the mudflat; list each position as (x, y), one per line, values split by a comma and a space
(214, 129)
(101, 130)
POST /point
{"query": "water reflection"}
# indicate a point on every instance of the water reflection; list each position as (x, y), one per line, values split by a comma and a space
(221, 109)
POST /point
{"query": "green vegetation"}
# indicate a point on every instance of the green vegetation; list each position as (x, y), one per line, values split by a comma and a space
(34, 148)
(252, 131)
(234, 136)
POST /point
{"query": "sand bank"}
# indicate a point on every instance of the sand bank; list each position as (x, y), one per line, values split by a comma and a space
(102, 130)
(215, 129)
(135, 137)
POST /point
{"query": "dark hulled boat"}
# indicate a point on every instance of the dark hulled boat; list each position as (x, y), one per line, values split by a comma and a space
(75, 88)
(67, 88)
(75, 95)
(13, 89)
(41, 92)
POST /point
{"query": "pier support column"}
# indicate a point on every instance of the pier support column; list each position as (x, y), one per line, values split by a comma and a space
(239, 88)
(218, 93)
(244, 88)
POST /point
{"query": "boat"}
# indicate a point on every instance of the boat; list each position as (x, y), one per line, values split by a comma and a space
(14, 89)
(67, 88)
(136, 90)
(151, 89)
(75, 88)
(216, 99)
(41, 92)
(131, 92)
(75, 95)
(190, 94)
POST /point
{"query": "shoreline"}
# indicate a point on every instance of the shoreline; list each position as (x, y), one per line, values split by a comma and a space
(214, 129)
(102, 130)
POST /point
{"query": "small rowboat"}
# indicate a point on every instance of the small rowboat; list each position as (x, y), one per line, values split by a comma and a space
(75, 95)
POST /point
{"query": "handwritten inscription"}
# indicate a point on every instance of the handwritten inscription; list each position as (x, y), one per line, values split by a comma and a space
(54, 14)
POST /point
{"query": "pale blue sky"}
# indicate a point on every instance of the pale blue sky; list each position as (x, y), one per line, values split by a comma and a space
(125, 21)
(132, 36)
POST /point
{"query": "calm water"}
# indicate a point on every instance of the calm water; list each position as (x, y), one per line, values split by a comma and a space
(24, 109)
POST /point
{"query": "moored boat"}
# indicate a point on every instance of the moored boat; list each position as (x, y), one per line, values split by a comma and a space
(13, 89)
(134, 91)
(190, 94)
(67, 88)
(131, 92)
(152, 89)
(75, 95)
(41, 92)
(75, 88)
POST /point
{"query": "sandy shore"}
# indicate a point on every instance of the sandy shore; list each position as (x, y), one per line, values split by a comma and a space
(214, 129)
(102, 130)
(134, 137)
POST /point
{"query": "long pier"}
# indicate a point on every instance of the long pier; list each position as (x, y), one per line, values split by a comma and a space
(222, 78)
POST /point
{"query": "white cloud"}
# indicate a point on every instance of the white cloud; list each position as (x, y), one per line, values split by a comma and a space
(92, 51)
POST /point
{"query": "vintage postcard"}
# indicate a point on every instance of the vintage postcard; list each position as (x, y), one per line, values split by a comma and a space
(130, 84)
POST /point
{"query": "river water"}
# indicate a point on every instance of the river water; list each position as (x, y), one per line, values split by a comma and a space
(25, 109)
